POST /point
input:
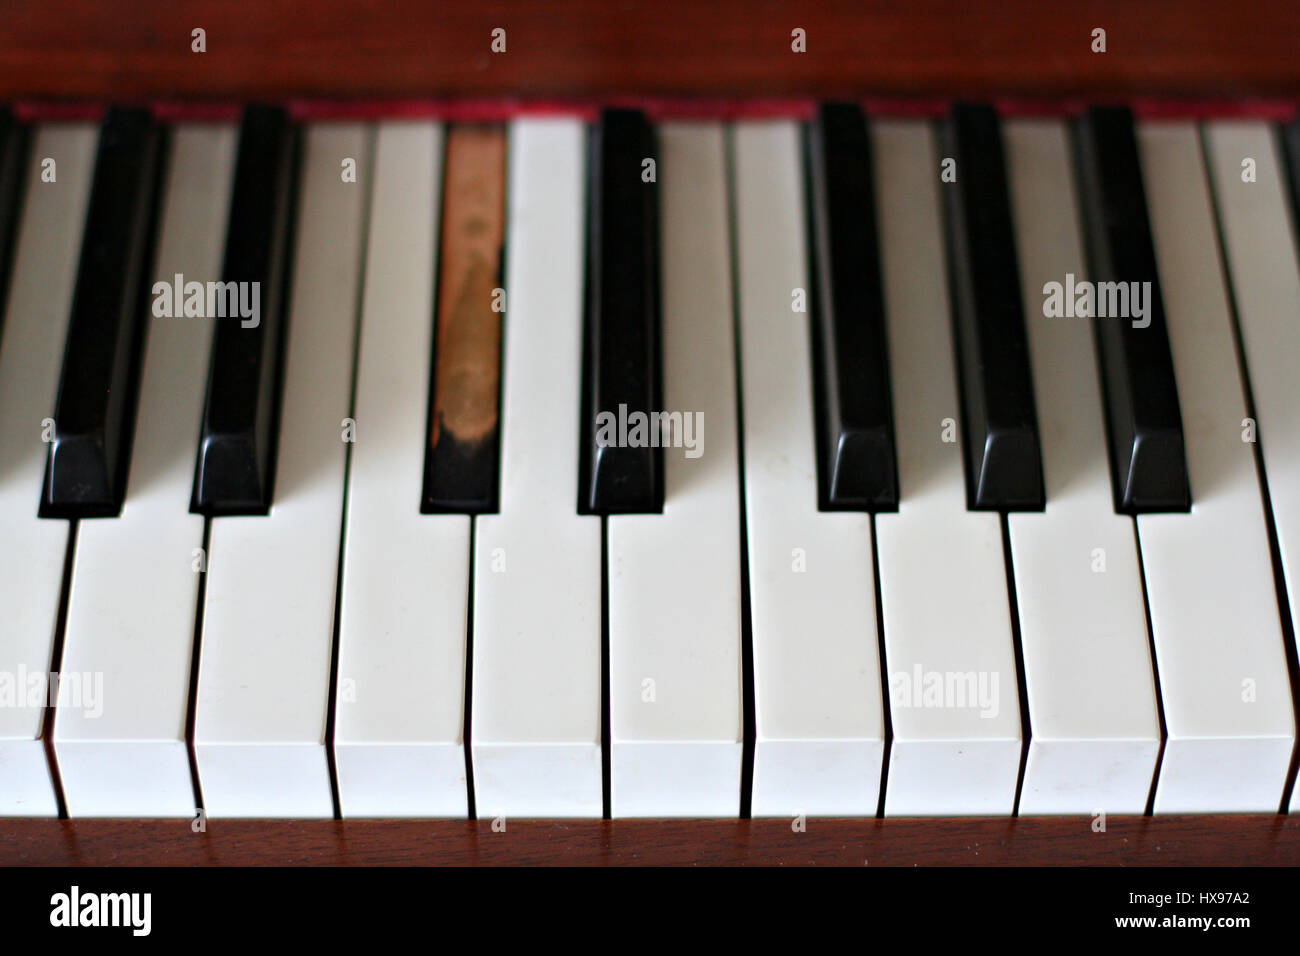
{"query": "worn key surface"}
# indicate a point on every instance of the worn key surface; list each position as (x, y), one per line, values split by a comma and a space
(460, 471)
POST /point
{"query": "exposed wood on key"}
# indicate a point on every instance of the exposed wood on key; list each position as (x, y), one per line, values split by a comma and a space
(461, 463)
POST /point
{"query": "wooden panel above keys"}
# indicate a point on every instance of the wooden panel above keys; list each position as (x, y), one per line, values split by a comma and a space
(411, 48)
(460, 466)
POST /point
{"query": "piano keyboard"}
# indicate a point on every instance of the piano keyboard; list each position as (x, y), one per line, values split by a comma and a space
(649, 469)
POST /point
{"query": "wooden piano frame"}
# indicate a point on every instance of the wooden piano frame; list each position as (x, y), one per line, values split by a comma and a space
(1198, 56)
(1254, 840)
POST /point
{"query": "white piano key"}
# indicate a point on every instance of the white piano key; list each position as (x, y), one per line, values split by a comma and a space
(268, 620)
(535, 723)
(1260, 246)
(399, 703)
(1083, 629)
(817, 692)
(1209, 575)
(676, 727)
(33, 551)
(949, 657)
(131, 608)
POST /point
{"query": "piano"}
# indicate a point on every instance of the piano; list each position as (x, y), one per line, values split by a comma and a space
(759, 436)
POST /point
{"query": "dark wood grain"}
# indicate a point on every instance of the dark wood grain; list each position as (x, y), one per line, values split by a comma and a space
(1260, 840)
(414, 48)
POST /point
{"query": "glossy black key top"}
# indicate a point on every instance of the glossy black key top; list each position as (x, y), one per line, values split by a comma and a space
(1004, 465)
(236, 465)
(621, 471)
(94, 411)
(1290, 136)
(855, 421)
(1143, 420)
(13, 152)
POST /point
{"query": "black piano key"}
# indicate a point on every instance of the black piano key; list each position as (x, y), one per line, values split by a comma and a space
(1143, 420)
(1290, 135)
(1004, 466)
(236, 463)
(94, 411)
(855, 427)
(13, 152)
(621, 348)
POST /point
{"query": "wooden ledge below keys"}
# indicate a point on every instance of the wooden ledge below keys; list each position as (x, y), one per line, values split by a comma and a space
(1221, 840)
